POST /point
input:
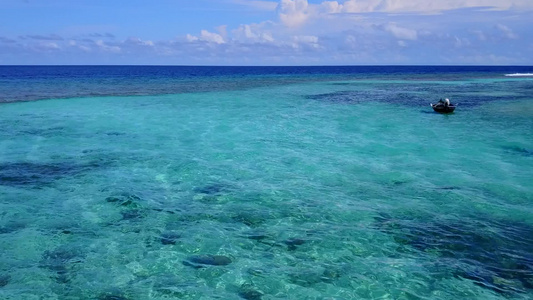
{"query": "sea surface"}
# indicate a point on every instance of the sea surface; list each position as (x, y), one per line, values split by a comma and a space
(140, 182)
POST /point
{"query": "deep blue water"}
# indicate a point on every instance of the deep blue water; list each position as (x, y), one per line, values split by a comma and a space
(265, 183)
(26, 83)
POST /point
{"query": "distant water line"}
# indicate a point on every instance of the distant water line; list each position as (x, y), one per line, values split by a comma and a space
(27, 83)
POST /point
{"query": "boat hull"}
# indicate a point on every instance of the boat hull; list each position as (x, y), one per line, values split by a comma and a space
(440, 108)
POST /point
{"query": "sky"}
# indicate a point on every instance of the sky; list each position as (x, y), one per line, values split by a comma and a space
(261, 32)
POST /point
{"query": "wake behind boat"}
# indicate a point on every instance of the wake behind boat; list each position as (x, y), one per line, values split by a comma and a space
(443, 106)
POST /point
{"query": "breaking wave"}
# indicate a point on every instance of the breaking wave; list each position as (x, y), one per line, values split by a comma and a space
(520, 75)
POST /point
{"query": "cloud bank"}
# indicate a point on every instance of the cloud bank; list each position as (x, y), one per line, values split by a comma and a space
(327, 32)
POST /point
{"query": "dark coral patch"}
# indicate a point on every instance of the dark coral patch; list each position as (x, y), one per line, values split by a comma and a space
(519, 150)
(61, 260)
(112, 296)
(248, 292)
(125, 200)
(252, 219)
(132, 214)
(337, 97)
(169, 238)
(212, 189)
(292, 243)
(256, 235)
(131, 205)
(34, 173)
(4, 280)
(37, 174)
(12, 226)
(497, 255)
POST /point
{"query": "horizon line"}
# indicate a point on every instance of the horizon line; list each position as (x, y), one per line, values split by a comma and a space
(255, 66)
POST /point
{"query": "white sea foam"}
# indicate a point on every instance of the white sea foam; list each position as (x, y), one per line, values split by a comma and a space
(520, 75)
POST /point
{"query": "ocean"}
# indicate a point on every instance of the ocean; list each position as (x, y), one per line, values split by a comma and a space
(160, 182)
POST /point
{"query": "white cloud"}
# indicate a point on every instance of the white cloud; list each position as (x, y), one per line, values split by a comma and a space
(223, 31)
(76, 45)
(419, 6)
(48, 46)
(305, 42)
(253, 33)
(479, 34)
(350, 40)
(306, 39)
(349, 32)
(331, 7)
(461, 42)
(103, 46)
(506, 31)
(355, 6)
(211, 37)
(139, 42)
(191, 38)
(293, 13)
(206, 36)
(400, 32)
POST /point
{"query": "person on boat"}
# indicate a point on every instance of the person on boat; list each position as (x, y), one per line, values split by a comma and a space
(445, 102)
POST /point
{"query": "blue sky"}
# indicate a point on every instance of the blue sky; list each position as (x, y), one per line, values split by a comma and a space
(283, 32)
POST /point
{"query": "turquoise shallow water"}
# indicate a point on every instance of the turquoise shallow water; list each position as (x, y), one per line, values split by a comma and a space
(346, 189)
